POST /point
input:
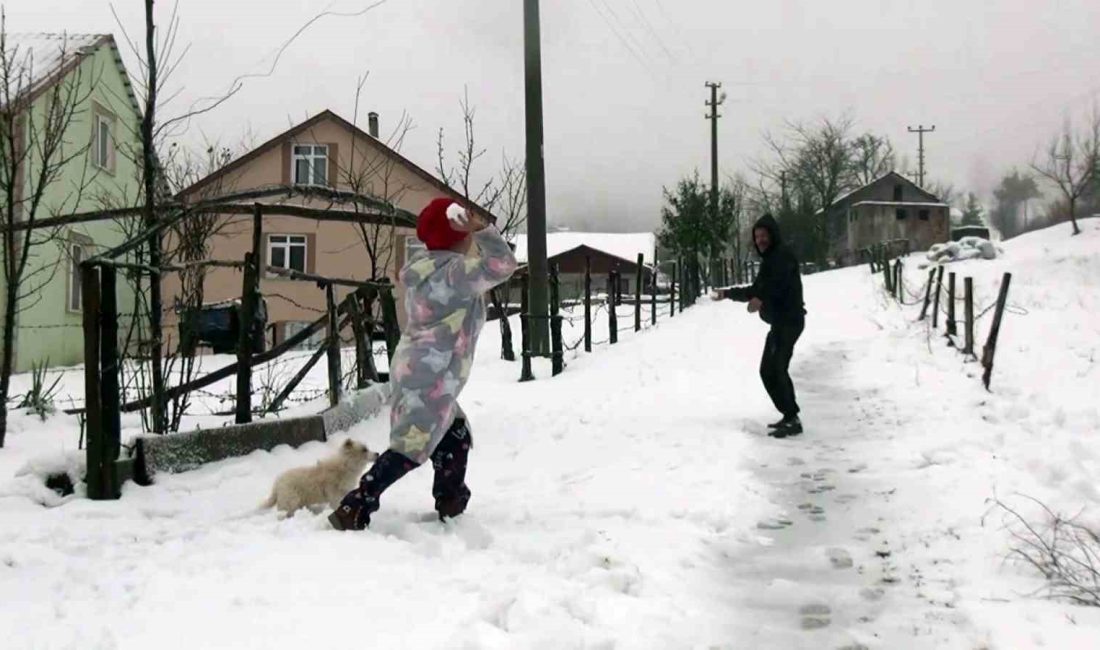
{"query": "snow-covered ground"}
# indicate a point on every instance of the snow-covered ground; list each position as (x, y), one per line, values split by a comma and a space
(634, 501)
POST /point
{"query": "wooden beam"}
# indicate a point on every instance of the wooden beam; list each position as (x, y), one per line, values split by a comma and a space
(323, 281)
(229, 370)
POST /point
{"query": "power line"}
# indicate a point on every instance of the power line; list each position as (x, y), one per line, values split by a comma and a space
(630, 48)
(649, 27)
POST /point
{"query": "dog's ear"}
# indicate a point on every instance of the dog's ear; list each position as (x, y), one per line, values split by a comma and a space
(349, 444)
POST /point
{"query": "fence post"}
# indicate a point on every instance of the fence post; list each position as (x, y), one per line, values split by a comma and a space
(587, 303)
(108, 383)
(990, 348)
(390, 326)
(672, 291)
(683, 284)
(612, 317)
(245, 314)
(557, 353)
(335, 379)
(927, 294)
(951, 329)
(936, 302)
(525, 373)
(653, 294)
(362, 341)
(638, 294)
(968, 303)
(93, 397)
(899, 279)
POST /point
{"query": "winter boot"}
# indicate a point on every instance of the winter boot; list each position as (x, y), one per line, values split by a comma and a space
(793, 427)
(449, 462)
(357, 506)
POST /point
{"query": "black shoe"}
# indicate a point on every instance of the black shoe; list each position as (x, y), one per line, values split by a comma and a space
(780, 423)
(792, 427)
(449, 462)
(358, 505)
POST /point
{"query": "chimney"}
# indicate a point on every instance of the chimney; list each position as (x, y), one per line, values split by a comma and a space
(372, 124)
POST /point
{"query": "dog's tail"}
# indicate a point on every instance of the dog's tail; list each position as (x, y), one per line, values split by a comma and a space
(268, 503)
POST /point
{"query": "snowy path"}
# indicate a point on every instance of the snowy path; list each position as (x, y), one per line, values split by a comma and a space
(632, 502)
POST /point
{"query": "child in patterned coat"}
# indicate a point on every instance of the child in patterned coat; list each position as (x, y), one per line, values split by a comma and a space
(445, 285)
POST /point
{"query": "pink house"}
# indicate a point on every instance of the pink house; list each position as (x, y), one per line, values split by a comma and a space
(325, 150)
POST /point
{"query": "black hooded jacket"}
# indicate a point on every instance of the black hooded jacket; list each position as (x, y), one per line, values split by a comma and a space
(778, 285)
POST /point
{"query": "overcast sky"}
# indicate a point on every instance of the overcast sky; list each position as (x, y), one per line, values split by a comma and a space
(623, 79)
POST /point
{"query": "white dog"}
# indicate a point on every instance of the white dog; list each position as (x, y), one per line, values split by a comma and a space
(323, 484)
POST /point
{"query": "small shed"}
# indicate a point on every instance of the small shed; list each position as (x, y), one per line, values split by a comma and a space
(959, 232)
(605, 252)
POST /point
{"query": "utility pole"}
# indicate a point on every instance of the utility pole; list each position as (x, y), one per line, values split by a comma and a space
(538, 286)
(714, 102)
(920, 131)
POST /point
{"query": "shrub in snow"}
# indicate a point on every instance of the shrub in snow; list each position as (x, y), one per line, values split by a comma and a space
(1066, 551)
(40, 398)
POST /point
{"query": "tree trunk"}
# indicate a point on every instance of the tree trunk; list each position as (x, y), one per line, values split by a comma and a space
(6, 363)
(1073, 217)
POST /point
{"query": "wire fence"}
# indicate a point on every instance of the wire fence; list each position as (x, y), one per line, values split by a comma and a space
(944, 300)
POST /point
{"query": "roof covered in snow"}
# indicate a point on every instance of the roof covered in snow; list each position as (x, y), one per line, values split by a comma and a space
(39, 56)
(625, 246)
(904, 204)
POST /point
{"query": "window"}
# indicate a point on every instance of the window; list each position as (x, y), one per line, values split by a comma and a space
(287, 252)
(923, 215)
(897, 192)
(103, 142)
(310, 164)
(901, 214)
(76, 256)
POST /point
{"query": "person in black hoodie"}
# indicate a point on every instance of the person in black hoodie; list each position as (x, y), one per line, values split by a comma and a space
(777, 296)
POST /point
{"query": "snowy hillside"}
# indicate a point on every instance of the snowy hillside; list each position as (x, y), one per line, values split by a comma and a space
(634, 501)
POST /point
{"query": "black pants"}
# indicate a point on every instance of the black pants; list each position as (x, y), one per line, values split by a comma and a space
(776, 362)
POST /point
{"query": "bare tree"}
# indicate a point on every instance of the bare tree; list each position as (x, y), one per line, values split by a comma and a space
(1071, 163)
(814, 165)
(505, 196)
(374, 172)
(36, 150)
(872, 157)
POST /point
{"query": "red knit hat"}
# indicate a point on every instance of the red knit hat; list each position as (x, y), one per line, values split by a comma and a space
(435, 229)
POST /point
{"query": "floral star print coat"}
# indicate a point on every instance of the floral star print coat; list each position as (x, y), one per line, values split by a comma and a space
(445, 305)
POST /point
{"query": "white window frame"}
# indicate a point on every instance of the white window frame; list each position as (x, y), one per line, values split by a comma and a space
(104, 160)
(77, 254)
(311, 154)
(287, 242)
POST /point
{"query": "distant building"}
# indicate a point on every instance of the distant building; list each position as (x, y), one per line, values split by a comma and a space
(80, 76)
(891, 208)
(606, 252)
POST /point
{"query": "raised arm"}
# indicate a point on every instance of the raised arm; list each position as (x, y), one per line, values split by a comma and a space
(493, 264)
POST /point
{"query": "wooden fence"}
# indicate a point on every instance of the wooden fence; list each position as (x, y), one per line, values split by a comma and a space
(942, 300)
(99, 281)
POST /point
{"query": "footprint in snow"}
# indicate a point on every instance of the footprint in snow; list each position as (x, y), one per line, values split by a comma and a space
(815, 616)
(840, 558)
(777, 523)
